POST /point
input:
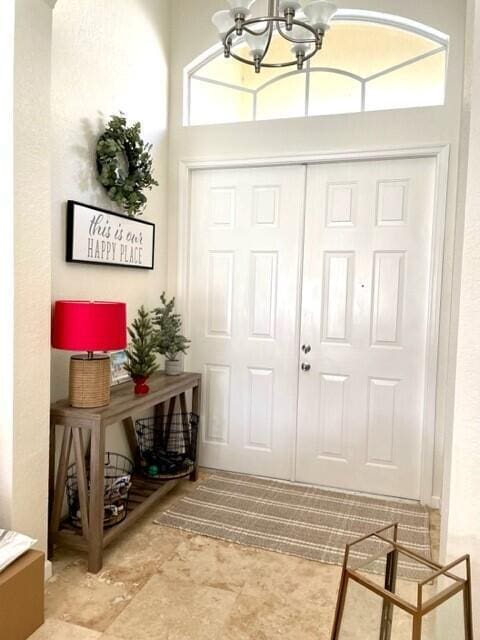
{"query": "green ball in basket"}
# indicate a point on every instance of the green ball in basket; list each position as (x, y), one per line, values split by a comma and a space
(153, 470)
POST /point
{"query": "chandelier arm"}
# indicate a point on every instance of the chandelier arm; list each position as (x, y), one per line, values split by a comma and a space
(256, 33)
(280, 65)
(269, 42)
(270, 19)
(271, 65)
(259, 19)
(277, 27)
(304, 25)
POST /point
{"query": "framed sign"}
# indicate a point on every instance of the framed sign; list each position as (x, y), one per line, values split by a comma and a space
(99, 236)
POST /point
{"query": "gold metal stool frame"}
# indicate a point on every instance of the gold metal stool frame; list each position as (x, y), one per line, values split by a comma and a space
(391, 599)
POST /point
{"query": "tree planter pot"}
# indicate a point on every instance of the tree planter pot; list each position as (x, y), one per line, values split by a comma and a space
(140, 387)
(173, 367)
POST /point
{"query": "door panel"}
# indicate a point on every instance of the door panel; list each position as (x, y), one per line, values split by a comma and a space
(365, 301)
(244, 293)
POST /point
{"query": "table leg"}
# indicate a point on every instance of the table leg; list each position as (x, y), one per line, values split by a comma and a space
(82, 481)
(59, 492)
(390, 585)
(160, 410)
(187, 436)
(168, 428)
(467, 602)
(129, 426)
(196, 399)
(417, 627)
(342, 596)
(159, 426)
(51, 483)
(97, 490)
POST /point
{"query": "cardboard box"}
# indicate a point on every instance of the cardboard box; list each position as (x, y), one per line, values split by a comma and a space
(22, 597)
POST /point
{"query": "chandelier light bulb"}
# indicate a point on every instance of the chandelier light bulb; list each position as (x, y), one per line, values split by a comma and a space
(301, 17)
(299, 33)
(256, 44)
(240, 6)
(223, 22)
(289, 5)
(320, 13)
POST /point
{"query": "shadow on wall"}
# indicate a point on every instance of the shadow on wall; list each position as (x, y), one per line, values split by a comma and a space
(87, 175)
(151, 8)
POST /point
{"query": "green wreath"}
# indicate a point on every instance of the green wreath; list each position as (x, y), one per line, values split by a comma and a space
(124, 164)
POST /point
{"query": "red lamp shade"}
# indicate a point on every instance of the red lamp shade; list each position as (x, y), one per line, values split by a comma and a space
(89, 326)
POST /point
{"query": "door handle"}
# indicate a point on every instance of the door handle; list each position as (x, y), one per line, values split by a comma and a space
(306, 367)
(306, 348)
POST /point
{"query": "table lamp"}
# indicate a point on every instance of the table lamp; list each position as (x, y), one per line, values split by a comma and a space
(89, 326)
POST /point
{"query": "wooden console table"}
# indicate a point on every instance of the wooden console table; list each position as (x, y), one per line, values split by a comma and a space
(84, 429)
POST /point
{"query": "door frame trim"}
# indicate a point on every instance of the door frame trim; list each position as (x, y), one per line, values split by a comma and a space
(441, 153)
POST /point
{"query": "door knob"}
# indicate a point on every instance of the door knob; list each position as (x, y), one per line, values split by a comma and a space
(306, 348)
(306, 366)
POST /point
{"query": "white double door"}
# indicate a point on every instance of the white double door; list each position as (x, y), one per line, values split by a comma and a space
(308, 311)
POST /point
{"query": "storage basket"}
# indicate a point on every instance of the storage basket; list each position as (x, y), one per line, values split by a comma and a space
(168, 445)
(118, 472)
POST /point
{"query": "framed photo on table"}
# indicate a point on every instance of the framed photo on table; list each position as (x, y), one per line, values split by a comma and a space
(99, 236)
(118, 360)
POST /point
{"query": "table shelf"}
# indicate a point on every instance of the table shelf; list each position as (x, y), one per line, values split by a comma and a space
(79, 424)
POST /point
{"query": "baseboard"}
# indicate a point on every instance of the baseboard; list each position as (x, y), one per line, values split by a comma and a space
(48, 570)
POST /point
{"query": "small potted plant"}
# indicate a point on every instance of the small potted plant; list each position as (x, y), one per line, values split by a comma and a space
(170, 341)
(141, 358)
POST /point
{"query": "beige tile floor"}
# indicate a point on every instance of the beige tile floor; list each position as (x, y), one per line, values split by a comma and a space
(164, 584)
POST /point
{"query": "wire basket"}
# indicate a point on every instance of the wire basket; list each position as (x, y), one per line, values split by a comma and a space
(118, 472)
(168, 445)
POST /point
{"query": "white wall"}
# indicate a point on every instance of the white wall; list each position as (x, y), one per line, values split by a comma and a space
(32, 262)
(25, 390)
(106, 57)
(7, 33)
(461, 532)
(402, 128)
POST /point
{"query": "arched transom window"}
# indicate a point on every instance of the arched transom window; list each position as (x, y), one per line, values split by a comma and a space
(369, 62)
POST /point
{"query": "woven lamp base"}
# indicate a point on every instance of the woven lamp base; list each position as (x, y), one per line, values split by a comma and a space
(89, 381)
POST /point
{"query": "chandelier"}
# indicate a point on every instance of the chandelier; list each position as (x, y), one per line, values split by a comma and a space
(303, 27)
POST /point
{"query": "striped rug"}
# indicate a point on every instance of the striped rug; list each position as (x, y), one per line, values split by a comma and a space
(303, 521)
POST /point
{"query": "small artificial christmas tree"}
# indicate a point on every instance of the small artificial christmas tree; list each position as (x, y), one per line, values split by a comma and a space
(170, 341)
(141, 356)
